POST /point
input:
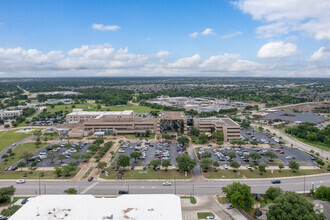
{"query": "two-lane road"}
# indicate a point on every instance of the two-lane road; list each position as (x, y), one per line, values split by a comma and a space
(155, 187)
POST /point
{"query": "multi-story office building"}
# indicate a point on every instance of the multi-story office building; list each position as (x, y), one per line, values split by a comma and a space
(126, 122)
(9, 114)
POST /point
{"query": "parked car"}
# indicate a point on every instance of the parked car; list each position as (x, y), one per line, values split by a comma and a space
(25, 200)
(90, 179)
(229, 206)
(276, 181)
(22, 181)
(123, 192)
(167, 183)
(210, 217)
(2, 217)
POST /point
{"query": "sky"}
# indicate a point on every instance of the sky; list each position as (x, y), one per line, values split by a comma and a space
(259, 38)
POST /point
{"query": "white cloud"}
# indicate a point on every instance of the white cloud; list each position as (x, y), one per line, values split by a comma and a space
(284, 16)
(163, 53)
(102, 27)
(208, 31)
(291, 38)
(277, 49)
(193, 35)
(187, 62)
(227, 36)
(320, 54)
(105, 60)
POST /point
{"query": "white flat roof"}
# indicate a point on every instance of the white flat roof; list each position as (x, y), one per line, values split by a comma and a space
(77, 113)
(81, 207)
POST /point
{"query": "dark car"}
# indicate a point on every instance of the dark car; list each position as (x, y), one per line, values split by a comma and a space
(132, 167)
(276, 181)
(123, 192)
(24, 201)
(90, 179)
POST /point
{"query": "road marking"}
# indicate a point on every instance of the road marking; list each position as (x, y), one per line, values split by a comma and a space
(90, 187)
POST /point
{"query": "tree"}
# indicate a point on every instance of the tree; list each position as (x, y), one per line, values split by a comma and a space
(68, 169)
(99, 106)
(58, 171)
(195, 132)
(52, 156)
(231, 154)
(240, 143)
(148, 133)
(166, 136)
(11, 210)
(291, 205)
(323, 193)
(166, 163)
(123, 161)
(71, 191)
(21, 165)
(238, 194)
(206, 163)
(101, 165)
(61, 157)
(271, 155)
(202, 138)
(245, 124)
(218, 135)
(281, 166)
(216, 164)
(86, 156)
(67, 146)
(26, 156)
(155, 163)
(254, 143)
(4, 156)
(294, 166)
(233, 142)
(205, 155)
(6, 193)
(262, 168)
(254, 156)
(273, 192)
(38, 143)
(183, 140)
(76, 157)
(235, 165)
(185, 162)
(136, 155)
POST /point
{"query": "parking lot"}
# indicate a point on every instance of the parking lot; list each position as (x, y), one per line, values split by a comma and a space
(151, 151)
(43, 161)
(259, 137)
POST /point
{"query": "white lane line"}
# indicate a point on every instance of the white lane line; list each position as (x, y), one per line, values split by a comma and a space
(90, 187)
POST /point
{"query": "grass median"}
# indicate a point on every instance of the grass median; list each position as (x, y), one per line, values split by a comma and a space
(146, 174)
(11, 137)
(230, 174)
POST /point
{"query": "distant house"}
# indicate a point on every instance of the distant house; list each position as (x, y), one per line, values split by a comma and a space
(294, 117)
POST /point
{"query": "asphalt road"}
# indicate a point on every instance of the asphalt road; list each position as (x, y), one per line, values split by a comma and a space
(156, 187)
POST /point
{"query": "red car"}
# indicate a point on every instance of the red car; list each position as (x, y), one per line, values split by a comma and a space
(278, 150)
(282, 152)
(281, 147)
(6, 169)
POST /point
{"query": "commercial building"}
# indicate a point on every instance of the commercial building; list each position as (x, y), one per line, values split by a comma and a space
(9, 114)
(127, 122)
(230, 129)
(87, 207)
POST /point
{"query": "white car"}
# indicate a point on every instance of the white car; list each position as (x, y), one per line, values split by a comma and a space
(167, 183)
(173, 167)
(288, 157)
(317, 186)
(20, 181)
(225, 166)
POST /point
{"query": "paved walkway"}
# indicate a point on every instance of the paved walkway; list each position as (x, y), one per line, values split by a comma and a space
(208, 203)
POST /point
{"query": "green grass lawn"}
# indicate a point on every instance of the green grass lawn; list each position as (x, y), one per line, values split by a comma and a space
(230, 174)
(192, 199)
(34, 175)
(150, 174)
(11, 137)
(222, 200)
(203, 215)
(318, 145)
(19, 150)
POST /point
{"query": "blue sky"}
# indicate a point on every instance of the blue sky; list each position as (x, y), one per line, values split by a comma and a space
(241, 38)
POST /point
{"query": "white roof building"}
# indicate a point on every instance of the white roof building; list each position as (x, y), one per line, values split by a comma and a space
(81, 207)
